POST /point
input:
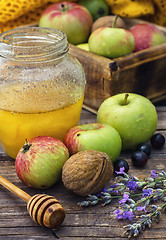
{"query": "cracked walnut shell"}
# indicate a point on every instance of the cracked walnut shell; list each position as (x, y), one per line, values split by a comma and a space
(87, 172)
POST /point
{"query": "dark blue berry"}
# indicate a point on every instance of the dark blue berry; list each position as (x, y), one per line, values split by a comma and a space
(145, 147)
(139, 158)
(121, 163)
(157, 141)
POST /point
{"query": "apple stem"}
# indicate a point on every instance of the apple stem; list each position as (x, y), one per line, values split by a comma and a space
(125, 99)
(114, 22)
(64, 7)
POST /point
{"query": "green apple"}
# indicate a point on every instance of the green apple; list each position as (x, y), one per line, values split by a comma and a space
(111, 42)
(39, 162)
(132, 115)
(94, 136)
(97, 8)
(83, 46)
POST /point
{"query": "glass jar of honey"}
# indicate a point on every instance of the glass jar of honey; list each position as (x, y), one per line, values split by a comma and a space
(41, 86)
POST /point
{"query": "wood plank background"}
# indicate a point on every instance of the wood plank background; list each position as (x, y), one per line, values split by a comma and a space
(80, 223)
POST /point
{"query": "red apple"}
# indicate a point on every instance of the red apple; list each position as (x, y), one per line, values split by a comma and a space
(39, 162)
(147, 35)
(71, 18)
(94, 136)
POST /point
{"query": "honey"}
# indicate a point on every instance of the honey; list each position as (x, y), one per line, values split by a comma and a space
(15, 127)
(41, 87)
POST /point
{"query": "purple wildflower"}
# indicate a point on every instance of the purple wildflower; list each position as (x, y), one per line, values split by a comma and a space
(104, 190)
(142, 208)
(147, 192)
(121, 171)
(118, 214)
(132, 185)
(153, 174)
(128, 215)
(163, 173)
(114, 186)
(110, 189)
(124, 199)
(124, 215)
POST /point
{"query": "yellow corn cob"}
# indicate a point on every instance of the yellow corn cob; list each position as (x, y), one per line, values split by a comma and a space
(131, 9)
(152, 10)
(160, 14)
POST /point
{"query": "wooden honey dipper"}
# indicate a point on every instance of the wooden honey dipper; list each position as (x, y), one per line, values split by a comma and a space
(43, 209)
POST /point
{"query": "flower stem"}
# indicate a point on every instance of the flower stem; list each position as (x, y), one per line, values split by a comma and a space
(152, 214)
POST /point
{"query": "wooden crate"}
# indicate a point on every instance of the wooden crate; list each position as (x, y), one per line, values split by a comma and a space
(143, 72)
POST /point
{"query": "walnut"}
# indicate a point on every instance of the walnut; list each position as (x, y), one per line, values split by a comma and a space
(87, 172)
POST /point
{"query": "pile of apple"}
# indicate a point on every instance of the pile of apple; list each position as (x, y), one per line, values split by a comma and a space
(88, 25)
(124, 121)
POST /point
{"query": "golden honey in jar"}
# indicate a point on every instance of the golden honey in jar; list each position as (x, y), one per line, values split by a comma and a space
(41, 86)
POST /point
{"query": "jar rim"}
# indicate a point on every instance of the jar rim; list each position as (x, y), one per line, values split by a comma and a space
(27, 42)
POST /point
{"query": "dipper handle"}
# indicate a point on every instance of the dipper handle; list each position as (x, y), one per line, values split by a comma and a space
(44, 209)
(14, 189)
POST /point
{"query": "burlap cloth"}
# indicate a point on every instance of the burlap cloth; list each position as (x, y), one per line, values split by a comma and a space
(14, 13)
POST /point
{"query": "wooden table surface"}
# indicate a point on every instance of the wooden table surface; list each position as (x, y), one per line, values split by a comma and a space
(91, 223)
